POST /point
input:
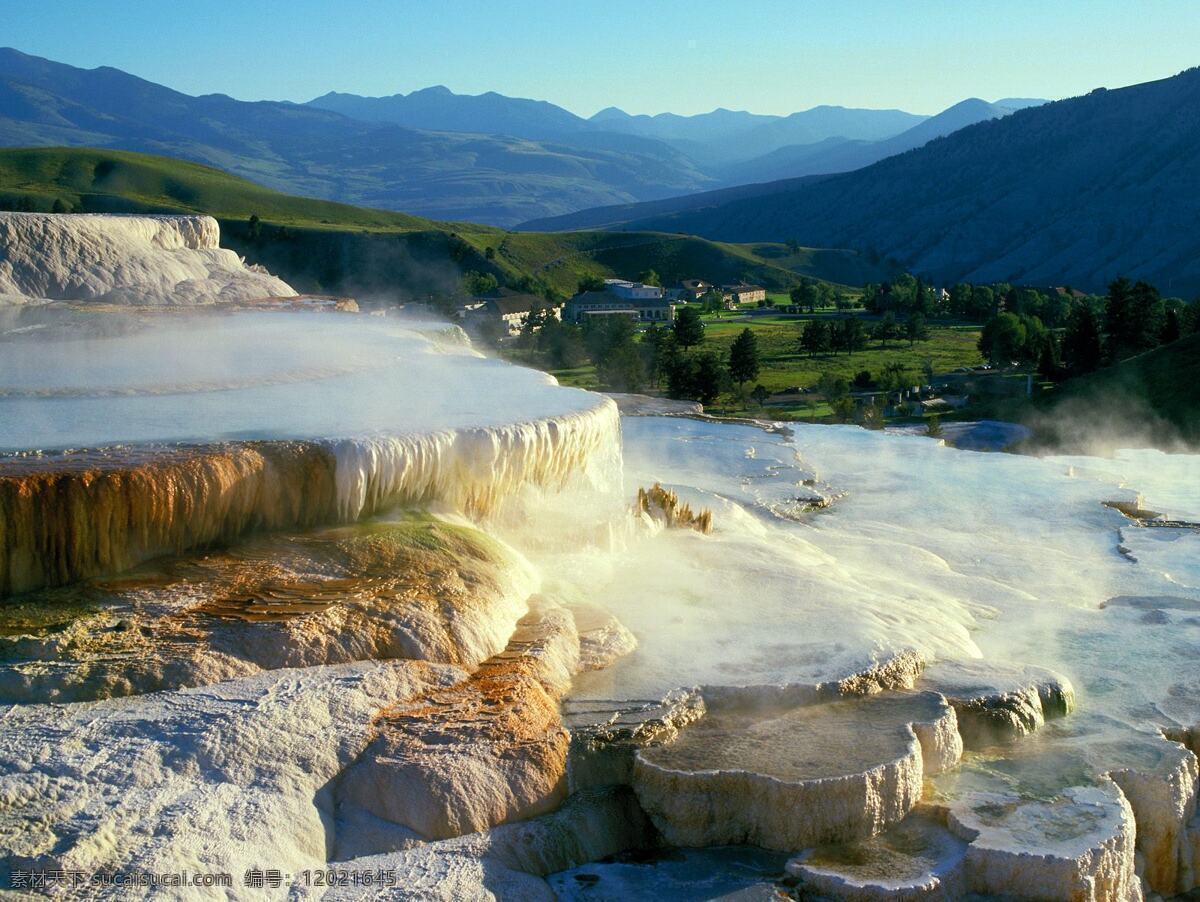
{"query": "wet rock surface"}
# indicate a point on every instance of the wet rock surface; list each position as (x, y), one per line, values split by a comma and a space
(415, 588)
(787, 779)
(918, 858)
(743, 873)
(997, 702)
(490, 750)
(607, 734)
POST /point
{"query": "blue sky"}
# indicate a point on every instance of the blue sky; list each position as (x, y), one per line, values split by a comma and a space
(641, 55)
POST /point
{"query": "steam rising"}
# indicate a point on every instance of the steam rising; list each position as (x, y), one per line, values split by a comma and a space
(272, 440)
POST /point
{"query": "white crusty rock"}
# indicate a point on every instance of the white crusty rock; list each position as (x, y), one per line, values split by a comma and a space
(831, 771)
(995, 702)
(174, 260)
(1161, 786)
(200, 780)
(488, 751)
(1079, 846)
(507, 861)
(1189, 871)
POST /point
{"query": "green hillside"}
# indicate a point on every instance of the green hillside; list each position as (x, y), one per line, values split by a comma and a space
(1075, 193)
(117, 181)
(320, 245)
(1150, 399)
(559, 258)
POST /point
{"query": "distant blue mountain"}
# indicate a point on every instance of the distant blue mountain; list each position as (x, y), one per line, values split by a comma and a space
(500, 178)
(723, 137)
(440, 109)
(485, 158)
(839, 155)
(1073, 192)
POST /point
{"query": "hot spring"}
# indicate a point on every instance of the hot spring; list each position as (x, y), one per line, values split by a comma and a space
(301, 590)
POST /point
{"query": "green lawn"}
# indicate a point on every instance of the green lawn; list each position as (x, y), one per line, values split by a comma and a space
(784, 367)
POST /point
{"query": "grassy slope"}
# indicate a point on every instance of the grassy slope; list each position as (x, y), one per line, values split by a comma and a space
(560, 258)
(1152, 398)
(120, 180)
(339, 247)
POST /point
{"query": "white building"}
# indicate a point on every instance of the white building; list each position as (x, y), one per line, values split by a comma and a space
(632, 291)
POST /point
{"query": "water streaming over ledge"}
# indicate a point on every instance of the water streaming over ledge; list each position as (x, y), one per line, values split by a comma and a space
(310, 447)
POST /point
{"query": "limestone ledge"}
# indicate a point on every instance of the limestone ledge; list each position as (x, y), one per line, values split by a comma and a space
(997, 702)
(795, 776)
(74, 515)
(488, 751)
(417, 587)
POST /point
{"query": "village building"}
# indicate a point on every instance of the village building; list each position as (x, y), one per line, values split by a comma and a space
(693, 289)
(742, 293)
(506, 307)
(1066, 292)
(647, 303)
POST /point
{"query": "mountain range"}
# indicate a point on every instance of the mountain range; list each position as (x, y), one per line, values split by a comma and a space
(305, 150)
(487, 158)
(1074, 192)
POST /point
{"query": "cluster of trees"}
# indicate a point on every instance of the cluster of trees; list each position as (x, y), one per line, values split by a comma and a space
(904, 295)
(819, 336)
(1013, 337)
(810, 295)
(850, 334)
(660, 357)
(25, 203)
(1130, 319)
(689, 374)
(836, 392)
(907, 294)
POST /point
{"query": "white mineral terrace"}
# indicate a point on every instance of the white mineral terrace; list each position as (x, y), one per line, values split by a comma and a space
(174, 260)
(296, 591)
(261, 376)
(182, 429)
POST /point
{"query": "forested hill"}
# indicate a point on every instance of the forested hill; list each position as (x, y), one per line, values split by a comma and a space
(1073, 192)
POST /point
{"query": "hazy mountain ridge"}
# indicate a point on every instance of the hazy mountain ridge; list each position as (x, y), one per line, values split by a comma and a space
(793, 164)
(712, 139)
(322, 153)
(486, 158)
(837, 155)
(725, 136)
(439, 109)
(734, 147)
(1072, 192)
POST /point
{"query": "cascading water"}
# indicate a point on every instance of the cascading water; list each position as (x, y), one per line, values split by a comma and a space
(237, 427)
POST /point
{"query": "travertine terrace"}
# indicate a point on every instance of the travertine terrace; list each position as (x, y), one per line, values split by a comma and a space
(288, 587)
